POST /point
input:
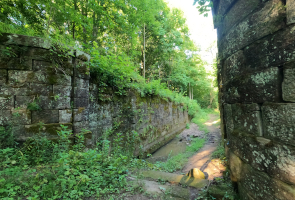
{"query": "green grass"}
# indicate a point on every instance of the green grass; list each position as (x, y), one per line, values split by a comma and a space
(177, 162)
(196, 145)
(219, 152)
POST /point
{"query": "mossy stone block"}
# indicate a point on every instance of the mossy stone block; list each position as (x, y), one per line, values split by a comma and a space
(45, 116)
(20, 78)
(6, 102)
(23, 101)
(78, 126)
(81, 83)
(290, 4)
(289, 82)
(48, 103)
(22, 40)
(247, 118)
(3, 76)
(21, 117)
(81, 114)
(5, 117)
(256, 87)
(65, 116)
(40, 89)
(279, 122)
(81, 102)
(62, 91)
(253, 27)
(81, 92)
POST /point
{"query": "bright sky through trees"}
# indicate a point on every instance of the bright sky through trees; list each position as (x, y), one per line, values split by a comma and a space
(201, 28)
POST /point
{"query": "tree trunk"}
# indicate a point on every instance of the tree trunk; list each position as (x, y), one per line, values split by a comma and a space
(144, 51)
(189, 90)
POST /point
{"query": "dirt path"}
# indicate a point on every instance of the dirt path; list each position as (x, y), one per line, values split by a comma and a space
(201, 159)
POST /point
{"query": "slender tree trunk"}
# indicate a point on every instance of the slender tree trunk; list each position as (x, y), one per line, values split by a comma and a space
(192, 93)
(189, 90)
(84, 13)
(76, 7)
(144, 50)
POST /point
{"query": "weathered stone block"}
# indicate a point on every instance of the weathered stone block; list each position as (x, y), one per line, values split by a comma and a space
(47, 130)
(5, 117)
(40, 89)
(23, 101)
(81, 83)
(279, 122)
(290, 4)
(81, 114)
(51, 78)
(42, 65)
(257, 87)
(81, 92)
(279, 161)
(65, 116)
(21, 117)
(246, 147)
(22, 63)
(235, 165)
(62, 91)
(222, 6)
(81, 102)
(45, 116)
(66, 68)
(82, 56)
(259, 185)
(257, 25)
(228, 118)
(234, 66)
(289, 83)
(7, 90)
(20, 78)
(49, 103)
(3, 76)
(82, 70)
(78, 126)
(14, 39)
(6, 102)
(247, 118)
(241, 9)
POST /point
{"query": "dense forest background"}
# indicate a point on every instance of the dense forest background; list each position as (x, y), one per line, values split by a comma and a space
(141, 44)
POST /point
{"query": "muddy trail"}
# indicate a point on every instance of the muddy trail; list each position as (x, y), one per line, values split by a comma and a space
(176, 185)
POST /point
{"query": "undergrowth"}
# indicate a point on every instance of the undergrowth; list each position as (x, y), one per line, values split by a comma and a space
(219, 152)
(43, 169)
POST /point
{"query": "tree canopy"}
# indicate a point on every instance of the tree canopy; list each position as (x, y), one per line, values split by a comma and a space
(126, 37)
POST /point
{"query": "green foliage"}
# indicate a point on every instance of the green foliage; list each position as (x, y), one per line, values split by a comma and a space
(204, 6)
(219, 152)
(173, 164)
(43, 169)
(187, 126)
(6, 137)
(112, 33)
(34, 106)
(196, 145)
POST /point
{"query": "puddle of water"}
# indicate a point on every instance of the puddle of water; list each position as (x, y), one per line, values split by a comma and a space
(173, 148)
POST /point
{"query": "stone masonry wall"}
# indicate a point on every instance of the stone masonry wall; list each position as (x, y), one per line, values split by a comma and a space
(256, 75)
(34, 72)
(154, 120)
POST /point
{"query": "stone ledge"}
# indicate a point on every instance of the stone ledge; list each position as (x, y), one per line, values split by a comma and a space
(22, 40)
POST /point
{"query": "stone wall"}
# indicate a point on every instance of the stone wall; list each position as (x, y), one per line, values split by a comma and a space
(43, 82)
(256, 75)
